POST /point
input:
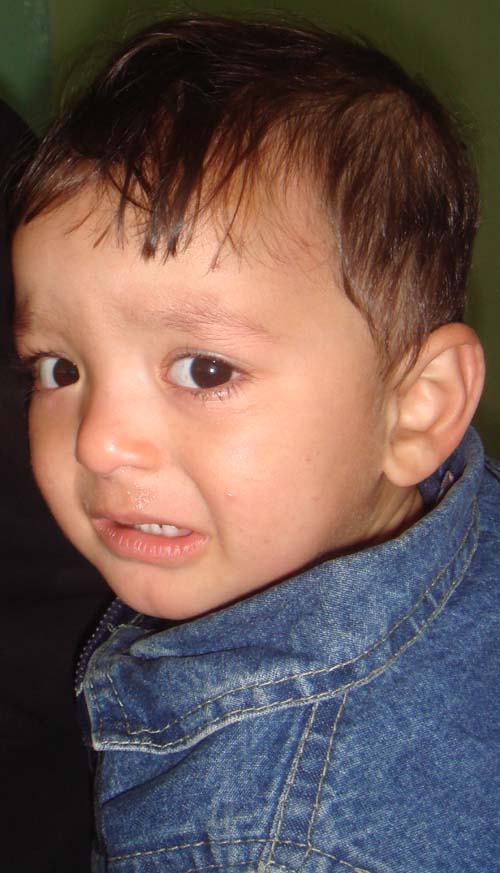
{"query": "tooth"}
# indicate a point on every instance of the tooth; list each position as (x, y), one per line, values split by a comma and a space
(170, 530)
(166, 530)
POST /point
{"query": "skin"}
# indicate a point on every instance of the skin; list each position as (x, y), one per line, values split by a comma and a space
(280, 464)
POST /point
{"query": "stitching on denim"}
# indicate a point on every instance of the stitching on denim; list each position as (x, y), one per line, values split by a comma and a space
(232, 866)
(291, 700)
(119, 701)
(241, 864)
(276, 866)
(269, 707)
(197, 845)
(241, 842)
(97, 708)
(350, 866)
(295, 701)
(334, 667)
(331, 668)
(326, 764)
(432, 600)
(290, 781)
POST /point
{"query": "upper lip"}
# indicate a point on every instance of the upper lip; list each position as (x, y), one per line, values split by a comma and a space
(132, 518)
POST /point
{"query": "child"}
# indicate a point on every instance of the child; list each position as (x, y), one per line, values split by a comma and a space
(240, 264)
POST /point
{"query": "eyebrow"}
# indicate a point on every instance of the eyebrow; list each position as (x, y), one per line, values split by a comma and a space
(23, 318)
(204, 317)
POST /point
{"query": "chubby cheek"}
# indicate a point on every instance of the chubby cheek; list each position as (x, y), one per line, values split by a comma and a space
(268, 497)
(51, 458)
(296, 486)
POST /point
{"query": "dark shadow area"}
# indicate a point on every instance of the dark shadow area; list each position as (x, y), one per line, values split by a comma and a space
(51, 597)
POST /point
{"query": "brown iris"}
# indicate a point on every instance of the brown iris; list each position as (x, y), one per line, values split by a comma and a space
(210, 372)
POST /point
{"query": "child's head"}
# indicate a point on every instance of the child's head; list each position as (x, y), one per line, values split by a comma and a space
(240, 260)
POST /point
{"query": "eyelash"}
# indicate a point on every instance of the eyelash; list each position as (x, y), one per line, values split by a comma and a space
(223, 392)
(28, 365)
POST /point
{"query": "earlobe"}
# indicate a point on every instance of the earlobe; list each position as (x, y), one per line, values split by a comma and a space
(432, 406)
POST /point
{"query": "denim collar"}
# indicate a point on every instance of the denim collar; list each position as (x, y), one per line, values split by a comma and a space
(315, 635)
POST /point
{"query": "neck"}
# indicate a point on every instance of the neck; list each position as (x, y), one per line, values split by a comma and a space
(399, 509)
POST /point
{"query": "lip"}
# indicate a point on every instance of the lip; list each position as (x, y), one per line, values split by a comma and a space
(123, 540)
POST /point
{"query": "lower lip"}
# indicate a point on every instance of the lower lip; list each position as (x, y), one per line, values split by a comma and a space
(127, 542)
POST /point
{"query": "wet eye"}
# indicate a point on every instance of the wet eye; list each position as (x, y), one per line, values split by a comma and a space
(56, 372)
(198, 372)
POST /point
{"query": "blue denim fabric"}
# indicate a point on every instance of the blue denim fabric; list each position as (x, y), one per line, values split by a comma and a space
(344, 720)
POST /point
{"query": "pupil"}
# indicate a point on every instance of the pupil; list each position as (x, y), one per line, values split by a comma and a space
(210, 372)
(64, 372)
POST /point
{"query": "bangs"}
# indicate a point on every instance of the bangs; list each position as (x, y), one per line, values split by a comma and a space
(212, 117)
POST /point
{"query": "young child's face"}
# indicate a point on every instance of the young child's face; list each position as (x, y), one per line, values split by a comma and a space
(199, 432)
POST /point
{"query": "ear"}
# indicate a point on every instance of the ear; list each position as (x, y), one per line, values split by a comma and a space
(432, 406)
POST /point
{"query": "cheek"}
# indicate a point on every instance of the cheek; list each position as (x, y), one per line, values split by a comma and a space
(261, 478)
(50, 459)
(296, 467)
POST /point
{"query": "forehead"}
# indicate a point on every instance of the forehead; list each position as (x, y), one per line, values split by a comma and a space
(273, 279)
(276, 232)
(247, 212)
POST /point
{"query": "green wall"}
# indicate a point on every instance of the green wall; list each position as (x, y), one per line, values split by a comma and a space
(454, 44)
(25, 57)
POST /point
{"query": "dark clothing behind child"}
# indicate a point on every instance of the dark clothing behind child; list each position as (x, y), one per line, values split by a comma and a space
(51, 596)
(346, 719)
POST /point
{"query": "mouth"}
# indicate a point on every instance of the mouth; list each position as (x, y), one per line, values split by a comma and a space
(149, 542)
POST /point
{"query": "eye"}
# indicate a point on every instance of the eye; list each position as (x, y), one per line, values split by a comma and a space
(200, 372)
(56, 372)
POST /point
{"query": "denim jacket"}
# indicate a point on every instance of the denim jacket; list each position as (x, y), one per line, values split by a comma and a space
(344, 720)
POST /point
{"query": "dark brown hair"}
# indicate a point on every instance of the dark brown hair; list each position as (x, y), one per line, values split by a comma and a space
(192, 112)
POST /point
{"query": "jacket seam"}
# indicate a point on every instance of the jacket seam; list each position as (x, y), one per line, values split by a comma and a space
(280, 704)
(289, 783)
(120, 704)
(269, 707)
(236, 864)
(326, 765)
(97, 708)
(426, 594)
(236, 842)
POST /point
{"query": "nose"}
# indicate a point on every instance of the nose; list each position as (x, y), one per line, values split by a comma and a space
(115, 433)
